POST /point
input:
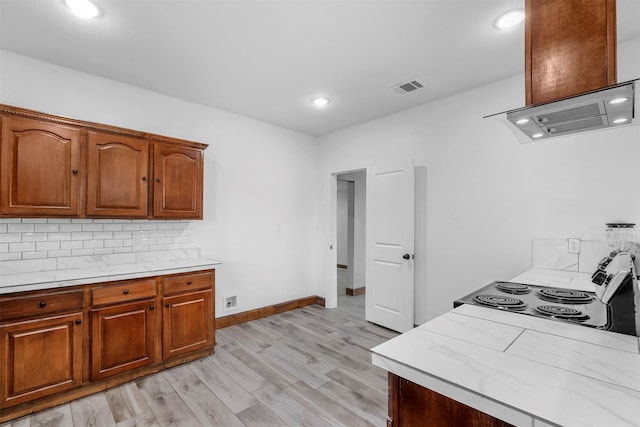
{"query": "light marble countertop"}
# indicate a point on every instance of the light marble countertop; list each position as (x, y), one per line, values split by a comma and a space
(28, 276)
(525, 370)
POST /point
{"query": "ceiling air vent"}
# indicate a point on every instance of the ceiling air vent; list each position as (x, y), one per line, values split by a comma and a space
(404, 88)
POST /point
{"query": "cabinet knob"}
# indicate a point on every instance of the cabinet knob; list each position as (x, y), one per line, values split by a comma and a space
(167, 305)
(43, 304)
(144, 178)
(188, 282)
(74, 171)
(157, 179)
(78, 321)
(153, 307)
(126, 292)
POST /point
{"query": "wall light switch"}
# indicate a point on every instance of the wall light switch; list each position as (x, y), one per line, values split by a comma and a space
(574, 246)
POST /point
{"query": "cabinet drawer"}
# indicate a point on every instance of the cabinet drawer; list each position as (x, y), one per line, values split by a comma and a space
(187, 282)
(42, 304)
(122, 292)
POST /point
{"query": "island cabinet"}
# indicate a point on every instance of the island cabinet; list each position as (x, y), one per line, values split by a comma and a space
(39, 168)
(413, 405)
(124, 327)
(56, 166)
(41, 346)
(59, 345)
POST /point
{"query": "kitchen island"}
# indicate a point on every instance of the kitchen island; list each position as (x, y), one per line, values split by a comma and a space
(524, 370)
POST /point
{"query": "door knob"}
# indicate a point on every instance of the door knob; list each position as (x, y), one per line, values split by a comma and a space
(406, 256)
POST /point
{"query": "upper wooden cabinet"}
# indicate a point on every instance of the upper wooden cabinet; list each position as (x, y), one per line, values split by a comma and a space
(117, 175)
(55, 166)
(177, 190)
(570, 48)
(40, 168)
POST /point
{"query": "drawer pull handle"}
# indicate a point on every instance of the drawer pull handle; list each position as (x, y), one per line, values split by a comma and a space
(78, 321)
(43, 304)
(189, 282)
(126, 292)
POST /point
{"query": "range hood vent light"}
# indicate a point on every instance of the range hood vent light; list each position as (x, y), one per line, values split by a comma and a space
(594, 110)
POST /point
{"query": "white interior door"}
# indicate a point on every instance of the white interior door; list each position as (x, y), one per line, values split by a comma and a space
(390, 240)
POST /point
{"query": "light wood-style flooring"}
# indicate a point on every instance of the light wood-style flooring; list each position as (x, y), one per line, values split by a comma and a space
(307, 367)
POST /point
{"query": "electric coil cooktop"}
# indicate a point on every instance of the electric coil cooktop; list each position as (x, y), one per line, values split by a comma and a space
(565, 305)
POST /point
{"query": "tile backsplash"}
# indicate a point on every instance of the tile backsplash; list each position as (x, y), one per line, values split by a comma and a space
(41, 238)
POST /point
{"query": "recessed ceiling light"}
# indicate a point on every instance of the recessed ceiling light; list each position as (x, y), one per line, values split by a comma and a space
(83, 8)
(620, 120)
(522, 121)
(509, 20)
(320, 101)
(537, 135)
(618, 100)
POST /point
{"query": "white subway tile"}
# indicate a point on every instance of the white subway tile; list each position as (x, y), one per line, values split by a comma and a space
(86, 244)
(139, 221)
(130, 227)
(58, 221)
(34, 220)
(165, 226)
(91, 227)
(157, 247)
(34, 237)
(10, 221)
(22, 247)
(59, 236)
(70, 227)
(122, 250)
(112, 227)
(47, 228)
(122, 221)
(82, 221)
(34, 255)
(122, 235)
(127, 242)
(103, 251)
(59, 254)
(10, 256)
(20, 228)
(103, 235)
(47, 246)
(3, 228)
(149, 226)
(102, 221)
(81, 236)
(114, 243)
(4, 247)
(141, 249)
(181, 225)
(165, 240)
(81, 252)
(71, 244)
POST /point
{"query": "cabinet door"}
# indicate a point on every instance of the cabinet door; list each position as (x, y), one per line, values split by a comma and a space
(188, 323)
(178, 178)
(39, 358)
(39, 168)
(117, 175)
(123, 337)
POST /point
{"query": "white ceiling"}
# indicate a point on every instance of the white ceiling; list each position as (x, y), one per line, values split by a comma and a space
(266, 59)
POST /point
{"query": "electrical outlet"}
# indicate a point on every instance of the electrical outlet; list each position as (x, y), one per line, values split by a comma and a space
(574, 246)
(230, 303)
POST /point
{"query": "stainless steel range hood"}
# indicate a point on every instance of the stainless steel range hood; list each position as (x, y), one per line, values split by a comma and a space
(611, 106)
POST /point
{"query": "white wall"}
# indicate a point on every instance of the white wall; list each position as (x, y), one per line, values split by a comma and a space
(482, 196)
(259, 203)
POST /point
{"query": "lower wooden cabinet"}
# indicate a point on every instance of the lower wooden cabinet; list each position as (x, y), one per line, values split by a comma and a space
(56, 346)
(40, 357)
(411, 405)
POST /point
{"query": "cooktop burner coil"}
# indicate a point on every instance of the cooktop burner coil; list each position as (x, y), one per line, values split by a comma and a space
(565, 296)
(513, 288)
(561, 312)
(502, 302)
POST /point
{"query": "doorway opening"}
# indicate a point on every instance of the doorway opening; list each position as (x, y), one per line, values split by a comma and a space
(350, 242)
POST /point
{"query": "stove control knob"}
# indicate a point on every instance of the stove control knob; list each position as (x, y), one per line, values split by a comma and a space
(599, 277)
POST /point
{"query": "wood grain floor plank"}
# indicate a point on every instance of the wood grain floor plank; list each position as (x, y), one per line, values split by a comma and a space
(288, 409)
(226, 341)
(127, 403)
(273, 374)
(142, 420)
(60, 416)
(92, 411)
(305, 373)
(301, 354)
(241, 373)
(370, 411)
(259, 416)
(209, 410)
(254, 342)
(223, 386)
(164, 402)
